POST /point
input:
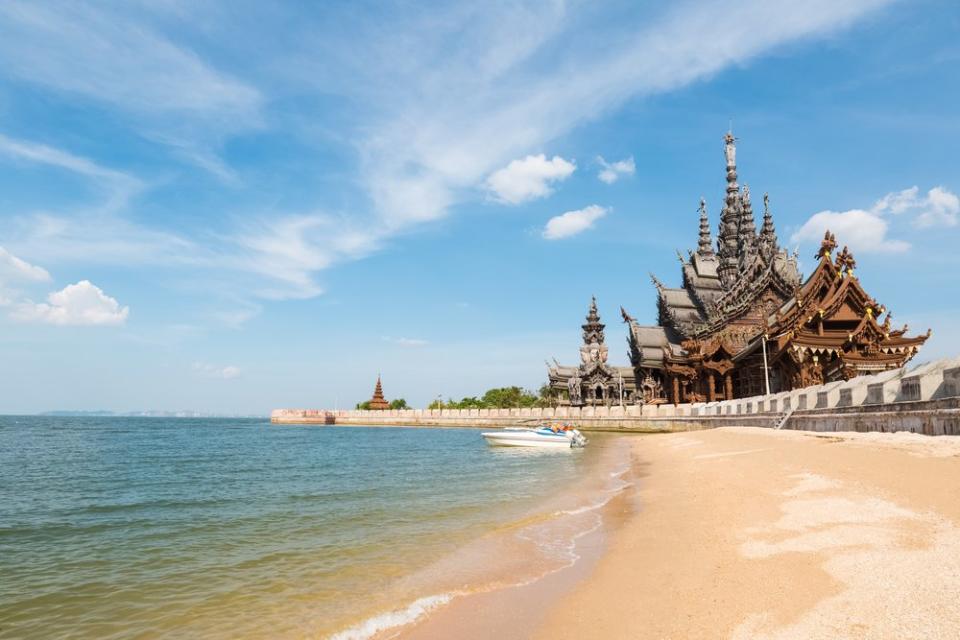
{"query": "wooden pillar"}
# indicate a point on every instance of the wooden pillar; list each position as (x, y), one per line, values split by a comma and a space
(676, 390)
(711, 394)
(728, 385)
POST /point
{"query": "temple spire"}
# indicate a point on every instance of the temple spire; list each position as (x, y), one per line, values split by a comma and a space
(747, 231)
(705, 248)
(593, 328)
(748, 226)
(727, 242)
(594, 350)
(768, 234)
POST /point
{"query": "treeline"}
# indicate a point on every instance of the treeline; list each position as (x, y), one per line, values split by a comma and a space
(501, 398)
(399, 403)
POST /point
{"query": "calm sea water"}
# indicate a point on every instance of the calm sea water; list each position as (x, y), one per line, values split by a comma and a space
(151, 528)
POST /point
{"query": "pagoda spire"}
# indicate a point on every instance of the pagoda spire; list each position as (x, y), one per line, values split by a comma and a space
(748, 226)
(768, 234)
(593, 328)
(747, 232)
(705, 248)
(594, 350)
(378, 402)
(727, 242)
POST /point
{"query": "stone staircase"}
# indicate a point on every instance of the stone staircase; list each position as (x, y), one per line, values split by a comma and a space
(781, 418)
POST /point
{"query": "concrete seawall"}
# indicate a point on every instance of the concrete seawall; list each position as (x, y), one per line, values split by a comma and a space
(923, 399)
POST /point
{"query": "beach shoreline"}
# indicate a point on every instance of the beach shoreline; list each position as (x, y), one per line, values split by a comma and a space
(751, 533)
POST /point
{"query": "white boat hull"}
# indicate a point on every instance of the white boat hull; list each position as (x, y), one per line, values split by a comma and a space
(531, 438)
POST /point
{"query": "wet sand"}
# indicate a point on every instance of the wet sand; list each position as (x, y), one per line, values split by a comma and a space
(754, 534)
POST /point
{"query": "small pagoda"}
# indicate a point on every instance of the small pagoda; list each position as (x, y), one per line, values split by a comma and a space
(378, 402)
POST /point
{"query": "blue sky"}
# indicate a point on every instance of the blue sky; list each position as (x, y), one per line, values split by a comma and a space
(237, 206)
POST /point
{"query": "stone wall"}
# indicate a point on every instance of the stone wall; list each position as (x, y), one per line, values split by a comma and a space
(922, 399)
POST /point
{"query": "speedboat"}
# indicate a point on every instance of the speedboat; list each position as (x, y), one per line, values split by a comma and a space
(548, 437)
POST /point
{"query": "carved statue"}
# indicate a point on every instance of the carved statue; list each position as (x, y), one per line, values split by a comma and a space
(573, 389)
(730, 149)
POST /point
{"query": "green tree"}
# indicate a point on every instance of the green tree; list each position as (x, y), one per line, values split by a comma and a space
(365, 405)
(399, 403)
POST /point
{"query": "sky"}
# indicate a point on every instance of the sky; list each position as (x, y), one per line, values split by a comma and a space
(237, 206)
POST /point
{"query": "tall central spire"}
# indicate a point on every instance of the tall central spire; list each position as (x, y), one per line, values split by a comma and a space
(728, 241)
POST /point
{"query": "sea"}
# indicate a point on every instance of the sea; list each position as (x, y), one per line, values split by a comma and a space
(114, 527)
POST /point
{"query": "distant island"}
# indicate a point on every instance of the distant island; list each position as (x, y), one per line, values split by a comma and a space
(150, 413)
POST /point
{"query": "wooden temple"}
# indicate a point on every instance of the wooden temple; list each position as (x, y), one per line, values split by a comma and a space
(744, 322)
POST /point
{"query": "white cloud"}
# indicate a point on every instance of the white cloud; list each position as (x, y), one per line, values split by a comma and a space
(860, 230)
(529, 178)
(406, 342)
(82, 303)
(14, 268)
(939, 207)
(866, 230)
(612, 171)
(573, 222)
(206, 369)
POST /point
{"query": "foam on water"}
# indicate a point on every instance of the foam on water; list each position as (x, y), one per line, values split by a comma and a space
(385, 621)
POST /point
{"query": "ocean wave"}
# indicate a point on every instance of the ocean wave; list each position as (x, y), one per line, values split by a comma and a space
(398, 618)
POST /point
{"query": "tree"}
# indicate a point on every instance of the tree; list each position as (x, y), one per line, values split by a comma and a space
(399, 403)
(365, 405)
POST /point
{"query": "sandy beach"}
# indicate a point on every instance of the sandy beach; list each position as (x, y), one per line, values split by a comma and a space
(743, 533)
(753, 534)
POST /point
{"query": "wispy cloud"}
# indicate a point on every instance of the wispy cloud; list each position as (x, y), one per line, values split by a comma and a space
(529, 81)
(228, 372)
(434, 108)
(118, 186)
(610, 172)
(13, 268)
(573, 222)
(105, 54)
(939, 207)
(405, 342)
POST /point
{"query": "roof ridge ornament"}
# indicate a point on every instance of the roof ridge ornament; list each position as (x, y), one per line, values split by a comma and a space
(656, 282)
(828, 244)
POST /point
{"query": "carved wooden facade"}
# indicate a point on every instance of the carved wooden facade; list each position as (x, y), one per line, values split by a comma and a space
(593, 382)
(744, 323)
